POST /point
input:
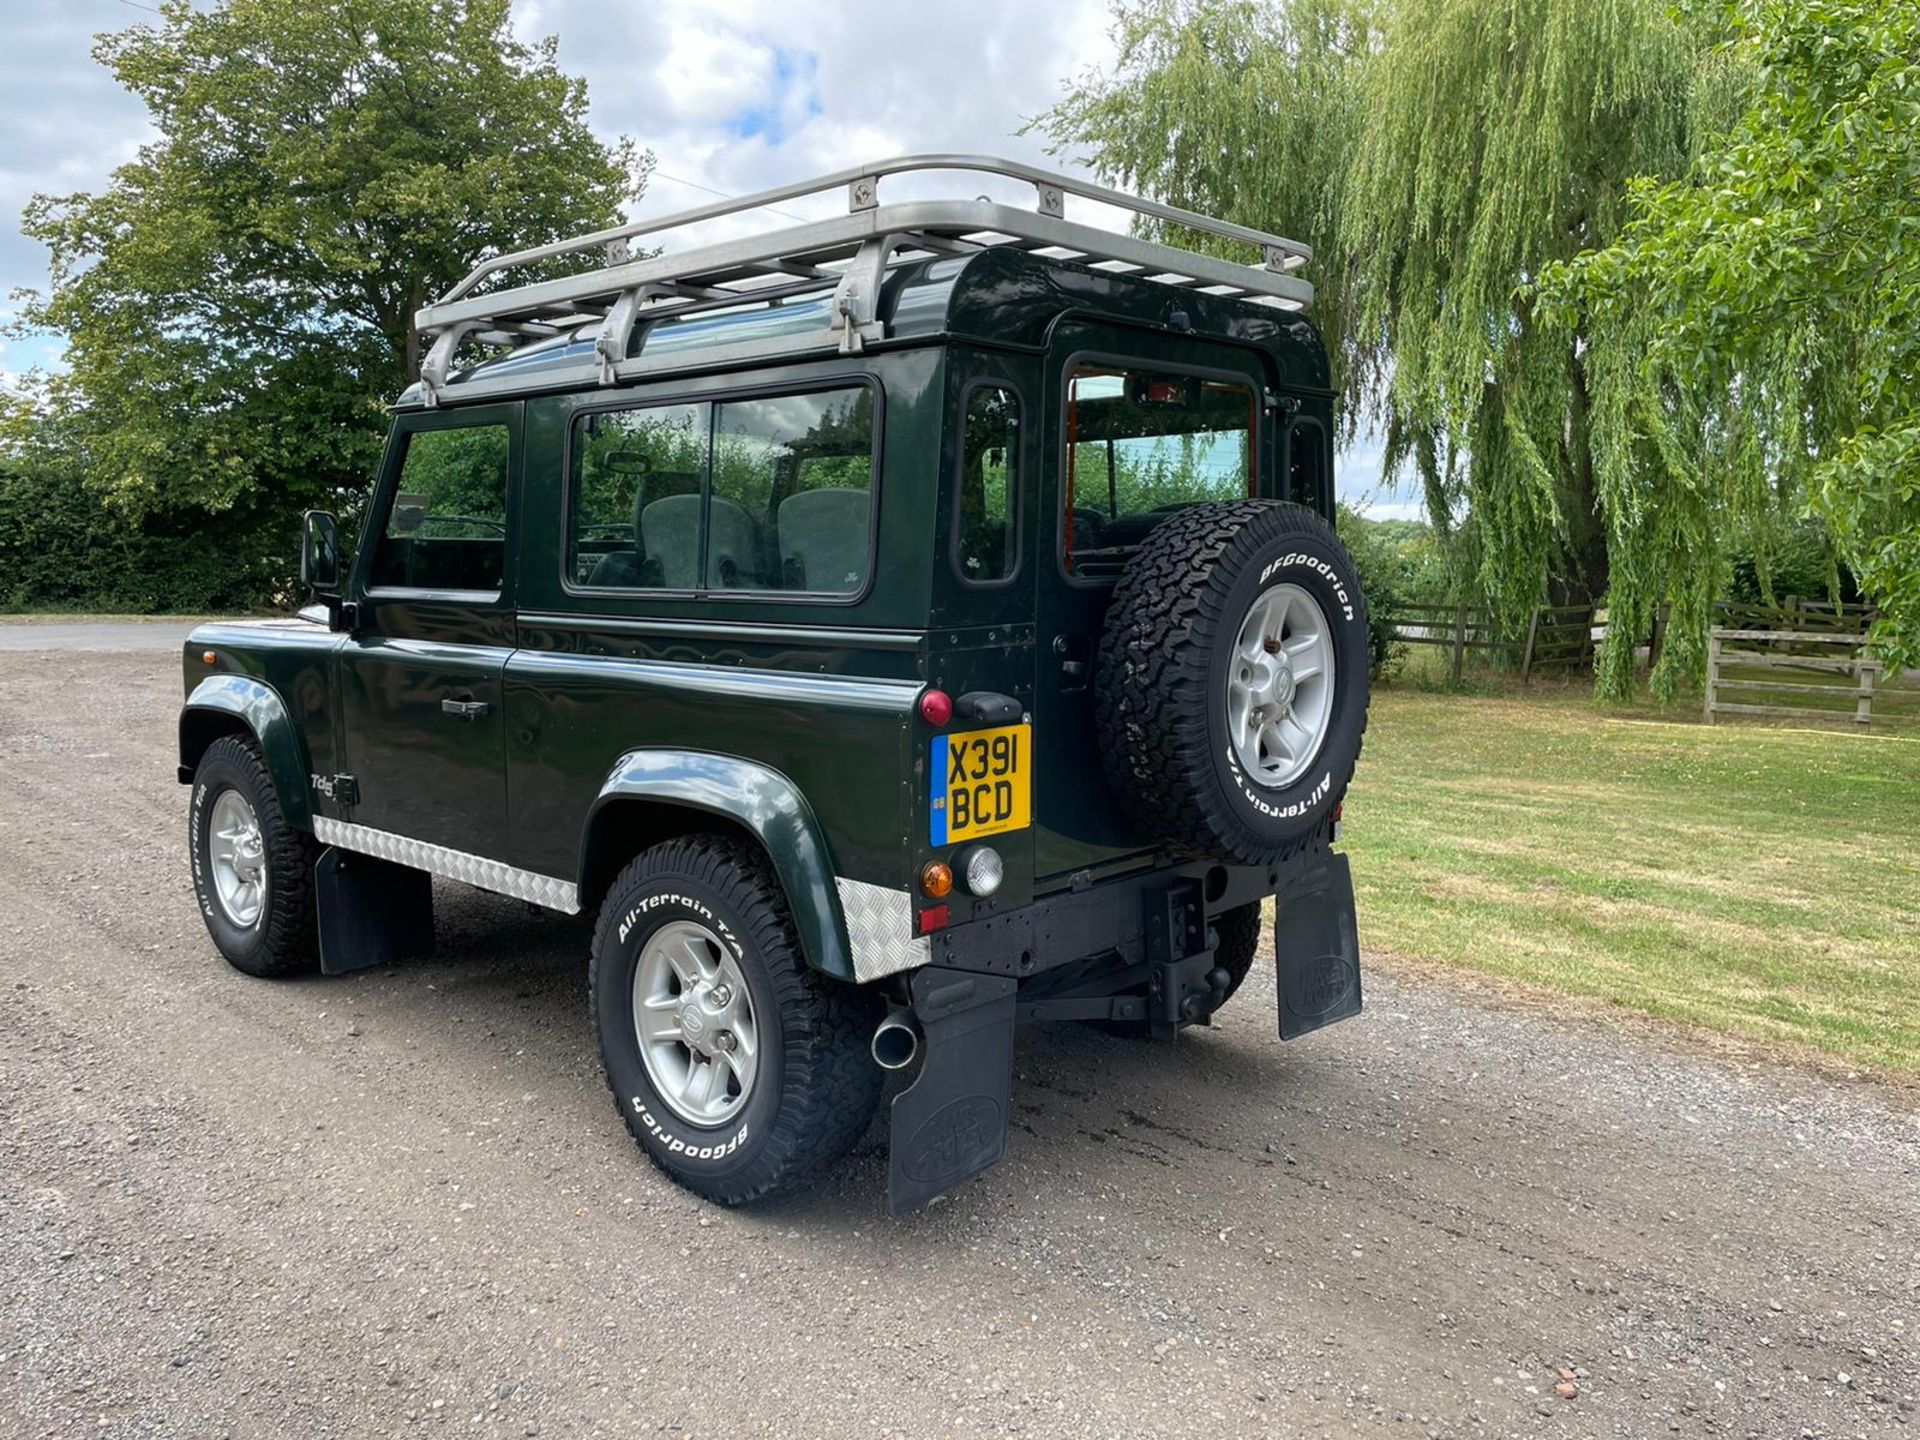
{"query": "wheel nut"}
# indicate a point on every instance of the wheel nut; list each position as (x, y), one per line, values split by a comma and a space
(721, 995)
(724, 1041)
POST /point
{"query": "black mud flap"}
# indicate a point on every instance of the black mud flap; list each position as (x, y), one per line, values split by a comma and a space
(1317, 948)
(951, 1123)
(371, 911)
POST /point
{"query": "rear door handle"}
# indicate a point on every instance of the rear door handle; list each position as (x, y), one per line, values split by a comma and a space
(464, 709)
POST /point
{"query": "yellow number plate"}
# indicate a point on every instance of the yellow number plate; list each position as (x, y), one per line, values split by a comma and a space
(982, 783)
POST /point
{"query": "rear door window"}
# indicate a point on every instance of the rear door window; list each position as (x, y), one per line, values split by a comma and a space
(1142, 444)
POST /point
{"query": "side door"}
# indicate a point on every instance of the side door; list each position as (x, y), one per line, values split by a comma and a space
(421, 679)
(1140, 424)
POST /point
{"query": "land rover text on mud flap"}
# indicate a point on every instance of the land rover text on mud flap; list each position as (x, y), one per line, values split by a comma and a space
(891, 627)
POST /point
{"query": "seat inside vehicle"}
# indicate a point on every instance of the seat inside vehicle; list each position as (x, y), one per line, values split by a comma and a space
(823, 539)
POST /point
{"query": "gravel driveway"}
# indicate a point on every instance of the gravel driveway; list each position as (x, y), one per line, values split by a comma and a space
(401, 1203)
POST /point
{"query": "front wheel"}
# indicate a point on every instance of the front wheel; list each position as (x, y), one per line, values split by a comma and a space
(740, 1071)
(252, 871)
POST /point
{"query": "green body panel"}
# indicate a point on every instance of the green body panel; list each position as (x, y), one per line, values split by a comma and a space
(579, 699)
(767, 804)
(793, 717)
(274, 677)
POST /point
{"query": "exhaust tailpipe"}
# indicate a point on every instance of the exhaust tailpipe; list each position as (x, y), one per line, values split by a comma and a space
(896, 1040)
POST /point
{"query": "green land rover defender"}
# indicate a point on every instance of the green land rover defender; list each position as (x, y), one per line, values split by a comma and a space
(892, 627)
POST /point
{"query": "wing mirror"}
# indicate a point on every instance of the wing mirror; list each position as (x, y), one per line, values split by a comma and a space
(321, 565)
(320, 553)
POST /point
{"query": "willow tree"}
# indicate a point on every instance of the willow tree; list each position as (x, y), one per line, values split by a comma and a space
(1240, 108)
(1439, 154)
(1759, 320)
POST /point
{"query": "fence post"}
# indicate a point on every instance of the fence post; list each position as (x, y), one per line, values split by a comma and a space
(1713, 671)
(1863, 700)
(1459, 640)
(1526, 658)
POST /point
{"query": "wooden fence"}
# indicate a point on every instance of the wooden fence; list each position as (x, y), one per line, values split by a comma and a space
(1793, 613)
(1555, 635)
(1808, 667)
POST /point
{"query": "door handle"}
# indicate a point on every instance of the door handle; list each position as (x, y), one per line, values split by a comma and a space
(464, 709)
(1072, 651)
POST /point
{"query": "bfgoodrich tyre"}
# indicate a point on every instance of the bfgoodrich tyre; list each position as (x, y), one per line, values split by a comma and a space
(1232, 680)
(252, 872)
(739, 1070)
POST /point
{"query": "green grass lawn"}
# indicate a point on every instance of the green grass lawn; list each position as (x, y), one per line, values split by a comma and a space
(1754, 880)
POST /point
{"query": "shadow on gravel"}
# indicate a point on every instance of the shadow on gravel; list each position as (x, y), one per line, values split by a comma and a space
(1088, 1103)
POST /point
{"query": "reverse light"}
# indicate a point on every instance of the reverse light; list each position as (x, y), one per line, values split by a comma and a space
(983, 870)
(936, 880)
(936, 707)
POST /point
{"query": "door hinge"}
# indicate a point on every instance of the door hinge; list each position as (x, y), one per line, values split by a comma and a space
(341, 789)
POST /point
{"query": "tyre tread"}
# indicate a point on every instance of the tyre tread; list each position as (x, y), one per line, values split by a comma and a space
(1152, 668)
(290, 943)
(832, 1083)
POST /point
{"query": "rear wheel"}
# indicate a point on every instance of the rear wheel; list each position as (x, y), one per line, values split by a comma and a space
(739, 1070)
(252, 871)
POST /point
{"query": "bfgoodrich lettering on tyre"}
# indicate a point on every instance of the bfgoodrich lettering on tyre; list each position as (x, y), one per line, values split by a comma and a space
(1233, 680)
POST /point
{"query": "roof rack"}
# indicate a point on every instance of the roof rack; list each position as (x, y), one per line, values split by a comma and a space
(852, 252)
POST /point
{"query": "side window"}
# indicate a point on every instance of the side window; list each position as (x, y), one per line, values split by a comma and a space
(1140, 445)
(792, 500)
(986, 540)
(446, 528)
(1307, 471)
(636, 496)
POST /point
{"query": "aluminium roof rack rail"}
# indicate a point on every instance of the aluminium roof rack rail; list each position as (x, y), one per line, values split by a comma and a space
(852, 252)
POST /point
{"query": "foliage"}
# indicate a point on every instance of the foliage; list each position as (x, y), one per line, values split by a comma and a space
(1245, 109)
(1776, 561)
(1763, 319)
(1387, 579)
(61, 549)
(1439, 153)
(238, 301)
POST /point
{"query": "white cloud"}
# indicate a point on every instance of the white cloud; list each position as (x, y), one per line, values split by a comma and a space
(736, 95)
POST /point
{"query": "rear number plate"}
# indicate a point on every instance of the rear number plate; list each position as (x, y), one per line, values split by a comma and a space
(982, 783)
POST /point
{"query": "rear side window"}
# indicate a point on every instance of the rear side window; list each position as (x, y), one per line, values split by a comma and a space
(1142, 444)
(792, 493)
(638, 478)
(1307, 470)
(446, 527)
(986, 540)
(772, 493)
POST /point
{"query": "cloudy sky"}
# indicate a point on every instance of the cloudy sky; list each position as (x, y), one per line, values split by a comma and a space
(730, 95)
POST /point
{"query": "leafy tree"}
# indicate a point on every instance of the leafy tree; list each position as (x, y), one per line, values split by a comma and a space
(1760, 323)
(238, 302)
(1439, 153)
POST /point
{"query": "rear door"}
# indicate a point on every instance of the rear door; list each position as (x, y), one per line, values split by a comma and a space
(1140, 424)
(421, 679)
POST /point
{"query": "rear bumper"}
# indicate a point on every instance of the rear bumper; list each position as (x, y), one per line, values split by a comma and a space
(1114, 917)
(1151, 941)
